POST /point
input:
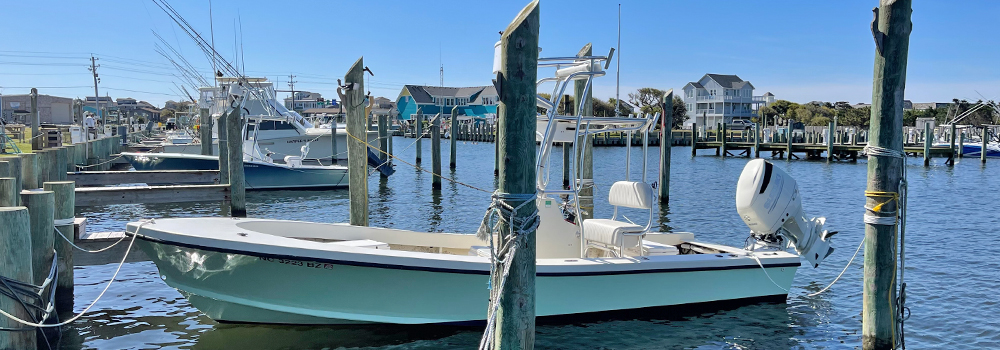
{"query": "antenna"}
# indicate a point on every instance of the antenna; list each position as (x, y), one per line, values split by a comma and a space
(291, 86)
(441, 63)
(618, 70)
(211, 26)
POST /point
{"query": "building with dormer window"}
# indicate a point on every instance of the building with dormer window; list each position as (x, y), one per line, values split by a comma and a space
(479, 102)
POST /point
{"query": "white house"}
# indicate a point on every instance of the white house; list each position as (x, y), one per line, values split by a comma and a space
(720, 98)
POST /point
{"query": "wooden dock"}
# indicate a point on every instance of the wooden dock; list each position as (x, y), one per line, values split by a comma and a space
(89, 196)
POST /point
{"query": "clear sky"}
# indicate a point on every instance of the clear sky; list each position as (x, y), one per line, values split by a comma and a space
(798, 50)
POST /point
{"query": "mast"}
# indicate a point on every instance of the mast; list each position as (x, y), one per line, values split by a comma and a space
(618, 63)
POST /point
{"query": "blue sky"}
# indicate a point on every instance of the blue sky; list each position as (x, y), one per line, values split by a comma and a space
(798, 50)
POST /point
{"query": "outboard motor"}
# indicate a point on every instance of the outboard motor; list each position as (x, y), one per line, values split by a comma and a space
(768, 201)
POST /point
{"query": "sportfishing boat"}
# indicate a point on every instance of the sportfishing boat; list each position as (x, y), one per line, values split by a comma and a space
(294, 272)
(261, 172)
(280, 131)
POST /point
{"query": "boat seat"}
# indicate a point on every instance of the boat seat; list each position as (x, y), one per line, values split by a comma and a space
(293, 161)
(609, 232)
(613, 235)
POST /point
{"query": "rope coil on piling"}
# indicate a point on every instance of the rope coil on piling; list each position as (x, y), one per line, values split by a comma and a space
(502, 210)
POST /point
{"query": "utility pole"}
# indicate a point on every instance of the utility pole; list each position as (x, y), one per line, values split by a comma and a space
(97, 103)
(891, 29)
(512, 325)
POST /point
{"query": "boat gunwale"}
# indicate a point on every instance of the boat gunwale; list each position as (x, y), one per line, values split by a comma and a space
(432, 262)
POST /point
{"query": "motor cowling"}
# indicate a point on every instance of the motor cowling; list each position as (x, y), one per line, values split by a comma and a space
(769, 202)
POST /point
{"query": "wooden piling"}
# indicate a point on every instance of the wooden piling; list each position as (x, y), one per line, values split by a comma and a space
(419, 134)
(829, 141)
(567, 150)
(383, 139)
(41, 205)
(64, 195)
(454, 138)
(36, 140)
(879, 292)
(585, 145)
(29, 171)
(15, 237)
(8, 192)
(928, 138)
(237, 186)
(951, 141)
(986, 140)
(436, 152)
(788, 140)
(666, 139)
(205, 132)
(334, 153)
(756, 140)
(59, 166)
(961, 144)
(356, 150)
(44, 163)
(14, 164)
(70, 158)
(223, 149)
(515, 320)
(694, 139)
(722, 130)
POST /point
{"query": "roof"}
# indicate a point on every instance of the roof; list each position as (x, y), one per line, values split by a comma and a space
(423, 94)
(695, 84)
(488, 91)
(731, 81)
(768, 94)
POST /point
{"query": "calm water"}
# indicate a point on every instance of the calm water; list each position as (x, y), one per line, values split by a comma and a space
(950, 286)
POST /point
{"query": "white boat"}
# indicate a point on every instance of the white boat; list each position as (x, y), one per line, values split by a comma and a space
(281, 131)
(292, 272)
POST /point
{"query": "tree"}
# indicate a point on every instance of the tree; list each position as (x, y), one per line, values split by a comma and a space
(766, 114)
(680, 113)
(604, 109)
(647, 99)
(166, 113)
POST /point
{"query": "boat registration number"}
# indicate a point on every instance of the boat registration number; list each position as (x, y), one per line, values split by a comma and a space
(306, 264)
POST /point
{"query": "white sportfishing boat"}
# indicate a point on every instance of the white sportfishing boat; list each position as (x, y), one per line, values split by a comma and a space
(293, 272)
(280, 131)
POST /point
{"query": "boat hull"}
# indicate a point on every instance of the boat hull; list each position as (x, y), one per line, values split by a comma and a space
(235, 286)
(257, 175)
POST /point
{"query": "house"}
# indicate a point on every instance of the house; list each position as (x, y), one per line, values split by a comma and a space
(105, 103)
(129, 107)
(51, 109)
(479, 102)
(930, 105)
(308, 100)
(720, 98)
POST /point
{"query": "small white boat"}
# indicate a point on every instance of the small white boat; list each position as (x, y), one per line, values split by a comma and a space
(291, 272)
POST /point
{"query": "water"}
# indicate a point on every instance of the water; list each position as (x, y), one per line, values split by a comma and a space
(950, 285)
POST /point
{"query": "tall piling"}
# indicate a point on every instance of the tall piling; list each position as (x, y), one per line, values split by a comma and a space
(419, 134)
(584, 97)
(788, 140)
(357, 164)
(928, 138)
(59, 166)
(756, 140)
(70, 158)
(694, 139)
(436, 152)
(666, 141)
(14, 171)
(223, 149)
(44, 163)
(237, 186)
(334, 154)
(36, 140)
(205, 132)
(64, 195)
(829, 140)
(951, 141)
(722, 138)
(15, 238)
(515, 318)
(986, 140)
(453, 138)
(892, 38)
(383, 139)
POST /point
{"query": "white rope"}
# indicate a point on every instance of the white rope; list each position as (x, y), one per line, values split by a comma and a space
(85, 250)
(102, 163)
(841, 272)
(74, 318)
(765, 272)
(499, 212)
